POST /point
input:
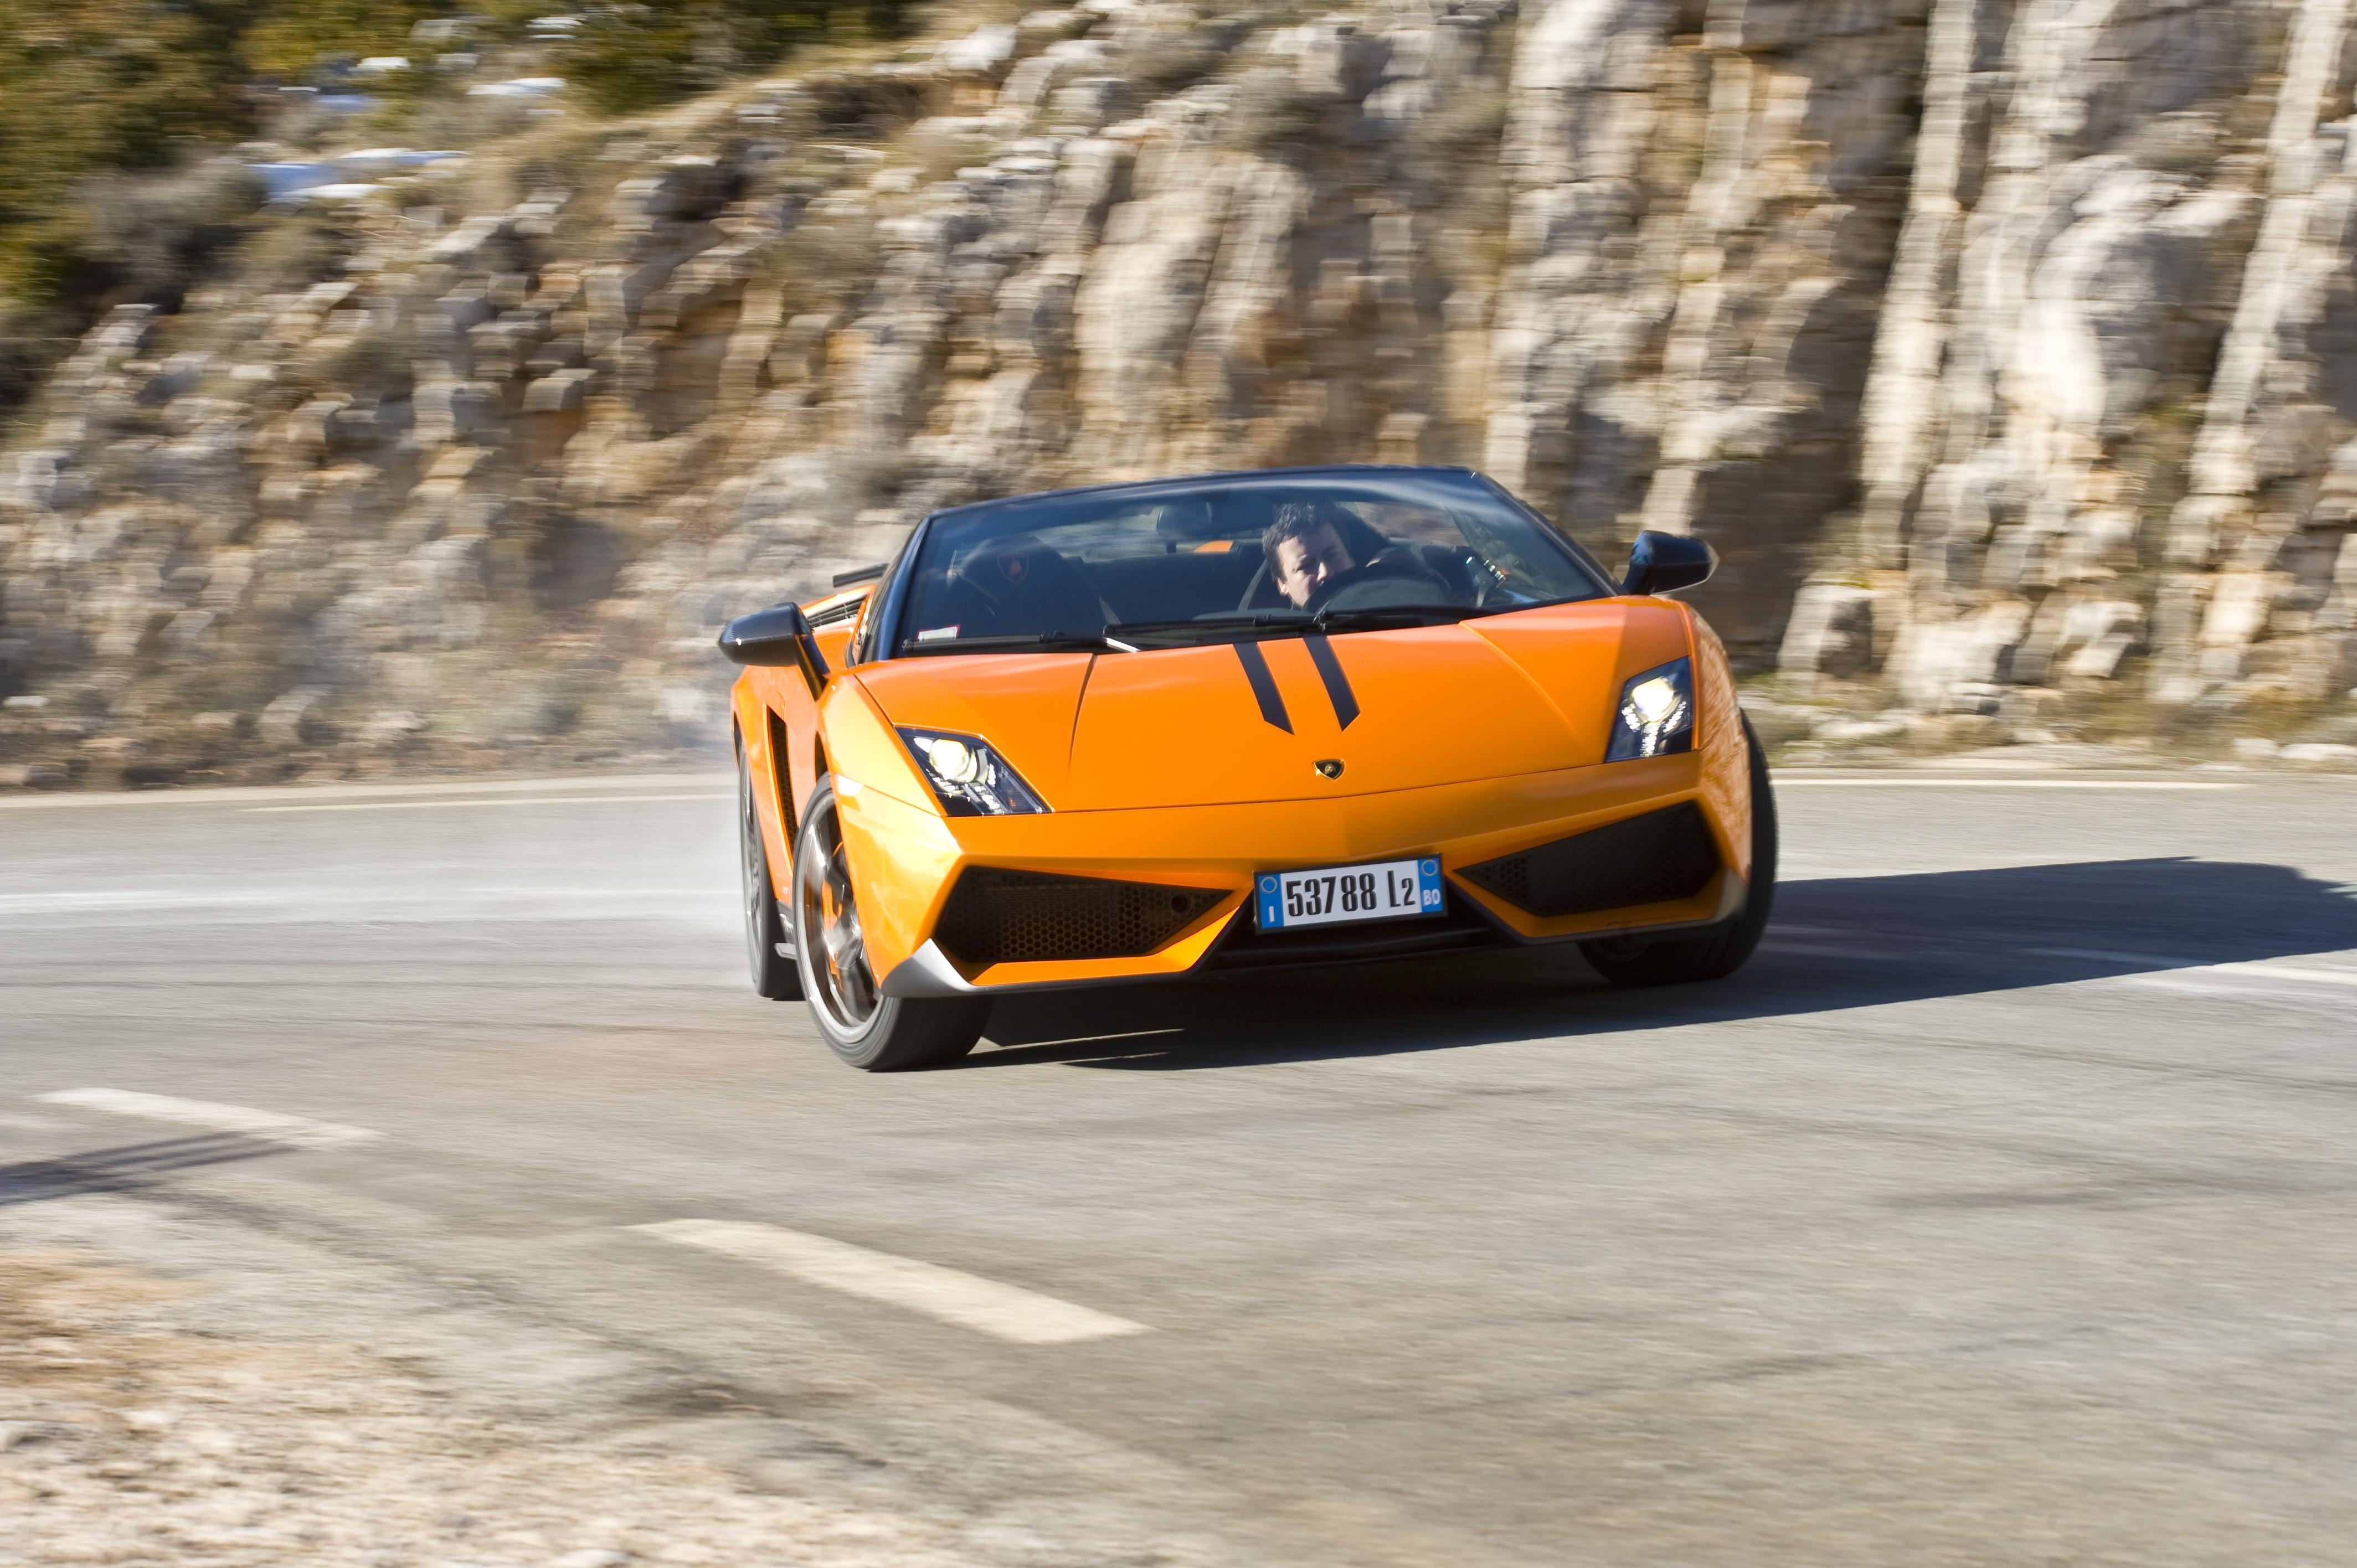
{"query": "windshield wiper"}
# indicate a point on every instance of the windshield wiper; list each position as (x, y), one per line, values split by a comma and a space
(1021, 641)
(1388, 615)
(1276, 623)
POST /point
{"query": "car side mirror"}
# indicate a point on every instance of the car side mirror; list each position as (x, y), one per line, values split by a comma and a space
(774, 638)
(1664, 562)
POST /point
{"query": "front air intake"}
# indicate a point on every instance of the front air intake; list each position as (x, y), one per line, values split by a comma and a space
(1650, 859)
(1030, 917)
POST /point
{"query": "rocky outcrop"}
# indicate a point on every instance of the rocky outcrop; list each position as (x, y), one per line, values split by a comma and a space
(2102, 433)
(2003, 351)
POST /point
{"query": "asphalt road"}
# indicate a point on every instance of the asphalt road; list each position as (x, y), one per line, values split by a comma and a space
(2000, 1212)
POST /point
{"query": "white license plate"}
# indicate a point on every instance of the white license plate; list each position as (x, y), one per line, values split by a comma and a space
(1389, 890)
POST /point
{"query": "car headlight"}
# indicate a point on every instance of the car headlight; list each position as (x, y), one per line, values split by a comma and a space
(970, 779)
(1657, 716)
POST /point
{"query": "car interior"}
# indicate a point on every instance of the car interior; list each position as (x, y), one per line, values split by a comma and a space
(1172, 562)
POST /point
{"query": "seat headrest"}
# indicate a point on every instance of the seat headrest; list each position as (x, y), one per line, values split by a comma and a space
(1189, 517)
(1018, 575)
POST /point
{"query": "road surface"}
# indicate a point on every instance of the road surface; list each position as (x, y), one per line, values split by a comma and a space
(2001, 1212)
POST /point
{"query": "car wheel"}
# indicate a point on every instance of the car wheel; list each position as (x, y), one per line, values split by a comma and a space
(775, 973)
(866, 1028)
(1720, 951)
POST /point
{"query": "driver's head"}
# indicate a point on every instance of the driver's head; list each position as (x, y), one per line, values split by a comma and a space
(1305, 548)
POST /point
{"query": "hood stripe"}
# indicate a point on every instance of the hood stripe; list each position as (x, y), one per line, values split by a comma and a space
(1264, 685)
(1337, 686)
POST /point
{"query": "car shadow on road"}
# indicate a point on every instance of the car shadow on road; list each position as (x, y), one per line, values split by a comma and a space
(124, 1168)
(1835, 943)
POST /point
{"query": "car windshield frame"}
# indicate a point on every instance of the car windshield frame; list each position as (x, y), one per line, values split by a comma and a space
(885, 636)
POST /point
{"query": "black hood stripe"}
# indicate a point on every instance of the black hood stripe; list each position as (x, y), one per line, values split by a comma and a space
(1337, 686)
(1264, 685)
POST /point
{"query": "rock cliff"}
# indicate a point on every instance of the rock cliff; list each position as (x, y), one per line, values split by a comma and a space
(2007, 353)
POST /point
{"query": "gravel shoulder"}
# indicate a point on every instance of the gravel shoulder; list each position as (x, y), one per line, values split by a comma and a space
(132, 1433)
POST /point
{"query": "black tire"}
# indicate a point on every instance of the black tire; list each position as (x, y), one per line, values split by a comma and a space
(767, 946)
(1719, 952)
(880, 1034)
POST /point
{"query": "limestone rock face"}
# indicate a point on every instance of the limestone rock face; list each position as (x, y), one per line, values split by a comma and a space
(2004, 349)
(2103, 404)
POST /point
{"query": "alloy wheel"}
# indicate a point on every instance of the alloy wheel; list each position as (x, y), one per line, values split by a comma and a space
(828, 908)
(752, 865)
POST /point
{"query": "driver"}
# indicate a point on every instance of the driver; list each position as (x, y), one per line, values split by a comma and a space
(1309, 555)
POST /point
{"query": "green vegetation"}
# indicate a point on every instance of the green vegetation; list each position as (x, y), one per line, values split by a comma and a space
(628, 58)
(288, 39)
(90, 87)
(109, 107)
(93, 87)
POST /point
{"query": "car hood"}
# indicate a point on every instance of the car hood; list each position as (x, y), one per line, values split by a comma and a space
(1525, 692)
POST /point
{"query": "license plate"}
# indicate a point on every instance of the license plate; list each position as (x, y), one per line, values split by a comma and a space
(1390, 890)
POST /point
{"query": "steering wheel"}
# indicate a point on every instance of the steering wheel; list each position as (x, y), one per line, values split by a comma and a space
(1379, 583)
(1383, 582)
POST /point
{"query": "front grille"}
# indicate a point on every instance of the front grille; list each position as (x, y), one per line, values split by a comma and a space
(1026, 916)
(1649, 859)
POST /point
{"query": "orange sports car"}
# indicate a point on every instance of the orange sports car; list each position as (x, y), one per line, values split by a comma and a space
(1295, 717)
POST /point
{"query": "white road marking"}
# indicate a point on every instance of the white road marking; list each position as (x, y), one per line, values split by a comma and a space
(342, 905)
(69, 902)
(241, 794)
(1008, 1312)
(507, 801)
(1124, 1034)
(2259, 971)
(294, 1131)
(2252, 969)
(1785, 782)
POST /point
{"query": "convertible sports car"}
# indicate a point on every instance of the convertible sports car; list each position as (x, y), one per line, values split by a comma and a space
(1292, 716)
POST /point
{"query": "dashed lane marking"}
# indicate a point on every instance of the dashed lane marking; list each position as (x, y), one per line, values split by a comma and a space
(969, 1301)
(508, 801)
(294, 1131)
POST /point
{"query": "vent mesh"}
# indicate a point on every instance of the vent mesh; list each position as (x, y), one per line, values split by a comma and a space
(1025, 916)
(1649, 859)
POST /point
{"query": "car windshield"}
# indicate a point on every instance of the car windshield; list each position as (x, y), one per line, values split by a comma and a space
(1230, 558)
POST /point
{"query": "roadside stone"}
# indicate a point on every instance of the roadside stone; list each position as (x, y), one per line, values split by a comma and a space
(391, 727)
(1778, 724)
(286, 720)
(1883, 727)
(1831, 631)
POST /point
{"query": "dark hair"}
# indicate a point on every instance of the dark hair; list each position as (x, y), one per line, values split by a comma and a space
(1299, 519)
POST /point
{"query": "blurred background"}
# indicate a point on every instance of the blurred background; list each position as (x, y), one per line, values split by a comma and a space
(409, 389)
(411, 386)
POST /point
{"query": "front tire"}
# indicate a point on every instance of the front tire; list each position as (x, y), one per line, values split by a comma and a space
(861, 1025)
(767, 946)
(1719, 952)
